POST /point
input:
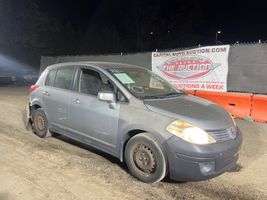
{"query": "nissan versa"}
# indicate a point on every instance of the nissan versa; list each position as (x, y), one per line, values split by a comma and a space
(135, 115)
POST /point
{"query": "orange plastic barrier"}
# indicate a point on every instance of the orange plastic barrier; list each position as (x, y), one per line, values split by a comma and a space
(238, 104)
(259, 108)
(193, 92)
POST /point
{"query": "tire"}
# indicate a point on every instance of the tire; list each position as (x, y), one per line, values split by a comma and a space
(40, 124)
(145, 158)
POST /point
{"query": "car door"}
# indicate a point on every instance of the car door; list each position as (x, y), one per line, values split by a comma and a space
(56, 95)
(90, 118)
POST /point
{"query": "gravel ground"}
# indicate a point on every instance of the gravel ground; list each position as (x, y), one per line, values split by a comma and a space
(59, 168)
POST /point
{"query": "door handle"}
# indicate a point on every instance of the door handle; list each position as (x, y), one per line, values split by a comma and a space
(46, 93)
(77, 101)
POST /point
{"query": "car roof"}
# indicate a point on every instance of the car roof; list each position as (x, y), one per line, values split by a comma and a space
(103, 65)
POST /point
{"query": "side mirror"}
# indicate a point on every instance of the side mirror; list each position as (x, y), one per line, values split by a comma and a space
(107, 96)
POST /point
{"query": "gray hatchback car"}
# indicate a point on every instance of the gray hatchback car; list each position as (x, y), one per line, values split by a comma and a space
(133, 114)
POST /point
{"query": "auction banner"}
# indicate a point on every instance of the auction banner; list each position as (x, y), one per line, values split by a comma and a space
(204, 68)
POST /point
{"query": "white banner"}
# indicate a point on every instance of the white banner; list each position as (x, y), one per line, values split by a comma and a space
(204, 68)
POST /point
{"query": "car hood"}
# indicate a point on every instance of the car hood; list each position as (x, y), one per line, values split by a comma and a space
(199, 112)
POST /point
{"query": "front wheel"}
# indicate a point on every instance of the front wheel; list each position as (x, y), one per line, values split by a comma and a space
(145, 158)
(40, 123)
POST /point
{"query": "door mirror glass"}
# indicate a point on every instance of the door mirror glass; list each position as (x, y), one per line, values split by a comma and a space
(107, 96)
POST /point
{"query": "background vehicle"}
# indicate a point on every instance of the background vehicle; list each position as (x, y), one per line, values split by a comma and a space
(136, 116)
(6, 77)
(30, 76)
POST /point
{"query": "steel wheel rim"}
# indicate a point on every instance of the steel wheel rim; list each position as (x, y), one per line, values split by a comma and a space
(144, 159)
(40, 122)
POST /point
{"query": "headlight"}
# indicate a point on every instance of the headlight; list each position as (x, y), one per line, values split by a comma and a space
(189, 132)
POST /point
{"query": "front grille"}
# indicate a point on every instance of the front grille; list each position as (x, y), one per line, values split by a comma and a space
(223, 135)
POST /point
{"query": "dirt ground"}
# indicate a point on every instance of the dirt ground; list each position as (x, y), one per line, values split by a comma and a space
(58, 168)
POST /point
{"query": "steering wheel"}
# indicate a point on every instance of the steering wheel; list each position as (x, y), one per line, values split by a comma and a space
(137, 89)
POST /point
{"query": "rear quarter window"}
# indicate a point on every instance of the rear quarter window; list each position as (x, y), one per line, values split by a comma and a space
(64, 77)
(49, 81)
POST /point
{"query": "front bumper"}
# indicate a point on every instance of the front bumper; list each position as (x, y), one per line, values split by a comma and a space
(186, 160)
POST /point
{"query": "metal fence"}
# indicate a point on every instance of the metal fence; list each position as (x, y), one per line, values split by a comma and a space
(247, 65)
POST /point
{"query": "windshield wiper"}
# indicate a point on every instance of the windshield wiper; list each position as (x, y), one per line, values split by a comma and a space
(152, 97)
(171, 94)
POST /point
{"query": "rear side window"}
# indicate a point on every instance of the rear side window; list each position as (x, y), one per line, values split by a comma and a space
(50, 77)
(64, 77)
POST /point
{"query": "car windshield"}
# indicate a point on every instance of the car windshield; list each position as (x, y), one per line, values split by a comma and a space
(144, 84)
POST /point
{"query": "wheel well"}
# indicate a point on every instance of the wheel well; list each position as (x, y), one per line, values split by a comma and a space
(130, 134)
(134, 132)
(34, 107)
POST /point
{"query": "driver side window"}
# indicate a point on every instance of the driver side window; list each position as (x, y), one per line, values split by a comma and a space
(91, 82)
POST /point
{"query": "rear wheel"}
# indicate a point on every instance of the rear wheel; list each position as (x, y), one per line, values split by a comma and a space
(40, 123)
(145, 158)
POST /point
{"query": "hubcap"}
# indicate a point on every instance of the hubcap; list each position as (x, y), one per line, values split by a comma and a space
(144, 159)
(40, 122)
